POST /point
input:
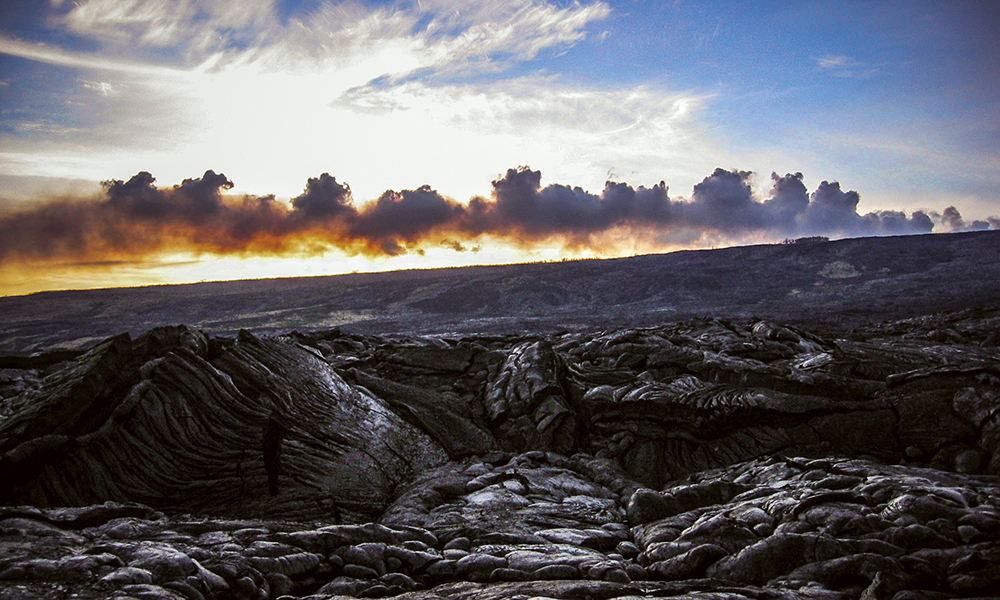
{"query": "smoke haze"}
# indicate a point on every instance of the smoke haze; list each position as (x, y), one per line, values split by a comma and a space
(135, 219)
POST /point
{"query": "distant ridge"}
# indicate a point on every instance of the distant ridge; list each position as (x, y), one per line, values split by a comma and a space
(835, 284)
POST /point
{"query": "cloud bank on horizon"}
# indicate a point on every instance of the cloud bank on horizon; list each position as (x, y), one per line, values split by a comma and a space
(134, 219)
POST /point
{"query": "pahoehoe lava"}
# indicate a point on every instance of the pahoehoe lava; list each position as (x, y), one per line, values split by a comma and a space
(697, 457)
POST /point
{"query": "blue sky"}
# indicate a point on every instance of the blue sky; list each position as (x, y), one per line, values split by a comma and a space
(896, 100)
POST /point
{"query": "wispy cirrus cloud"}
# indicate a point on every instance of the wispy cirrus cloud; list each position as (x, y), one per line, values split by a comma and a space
(840, 65)
(55, 55)
(443, 35)
(833, 61)
(193, 25)
(354, 87)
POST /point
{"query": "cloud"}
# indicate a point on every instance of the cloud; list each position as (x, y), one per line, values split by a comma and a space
(522, 209)
(407, 216)
(443, 35)
(788, 199)
(894, 222)
(191, 201)
(832, 61)
(324, 198)
(260, 92)
(496, 34)
(831, 209)
(522, 203)
(834, 212)
(951, 220)
(53, 55)
(102, 87)
(845, 66)
(723, 201)
(572, 133)
(428, 87)
(135, 219)
(198, 25)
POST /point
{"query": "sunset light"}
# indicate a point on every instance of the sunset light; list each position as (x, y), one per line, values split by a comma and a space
(434, 105)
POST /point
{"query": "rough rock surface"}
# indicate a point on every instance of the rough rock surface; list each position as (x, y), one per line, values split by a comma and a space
(703, 459)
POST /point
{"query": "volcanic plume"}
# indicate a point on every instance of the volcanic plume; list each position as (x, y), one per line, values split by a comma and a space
(135, 219)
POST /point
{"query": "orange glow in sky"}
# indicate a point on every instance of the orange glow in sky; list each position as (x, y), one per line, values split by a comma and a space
(895, 100)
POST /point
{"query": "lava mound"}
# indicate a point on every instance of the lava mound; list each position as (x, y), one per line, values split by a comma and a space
(707, 458)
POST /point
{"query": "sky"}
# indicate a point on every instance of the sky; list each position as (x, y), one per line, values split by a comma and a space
(168, 141)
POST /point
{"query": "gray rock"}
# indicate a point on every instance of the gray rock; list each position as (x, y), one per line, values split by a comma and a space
(526, 404)
(399, 580)
(557, 572)
(127, 575)
(359, 572)
(705, 457)
(690, 564)
(627, 549)
(778, 554)
(449, 423)
(459, 543)
(281, 584)
(164, 562)
(151, 592)
(369, 555)
(411, 560)
(342, 586)
(646, 506)
(477, 567)
(290, 565)
(968, 461)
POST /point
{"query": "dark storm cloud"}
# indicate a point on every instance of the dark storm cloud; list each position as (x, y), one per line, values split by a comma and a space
(894, 222)
(135, 218)
(323, 198)
(723, 201)
(386, 226)
(408, 215)
(53, 229)
(642, 205)
(788, 199)
(138, 196)
(831, 210)
(202, 195)
(193, 199)
(521, 206)
(951, 220)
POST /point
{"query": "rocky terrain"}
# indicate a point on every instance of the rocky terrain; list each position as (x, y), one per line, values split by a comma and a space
(708, 458)
(821, 285)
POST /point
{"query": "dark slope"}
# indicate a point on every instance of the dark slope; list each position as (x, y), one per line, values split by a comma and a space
(836, 284)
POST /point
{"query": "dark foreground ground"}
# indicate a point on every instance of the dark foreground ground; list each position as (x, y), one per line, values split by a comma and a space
(733, 456)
